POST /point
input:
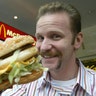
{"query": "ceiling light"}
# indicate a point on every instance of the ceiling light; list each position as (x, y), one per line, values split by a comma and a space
(15, 17)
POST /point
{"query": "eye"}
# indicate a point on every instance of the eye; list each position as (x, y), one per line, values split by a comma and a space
(56, 37)
(40, 38)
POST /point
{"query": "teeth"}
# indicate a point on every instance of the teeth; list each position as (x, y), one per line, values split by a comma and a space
(46, 56)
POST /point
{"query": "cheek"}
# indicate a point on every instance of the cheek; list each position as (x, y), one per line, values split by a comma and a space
(60, 46)
(63, 48)
(59, 49)
(38, 45)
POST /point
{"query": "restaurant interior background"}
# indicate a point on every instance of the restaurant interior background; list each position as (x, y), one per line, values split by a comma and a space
(21, 14)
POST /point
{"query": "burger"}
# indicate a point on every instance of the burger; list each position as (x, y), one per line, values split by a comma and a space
(19, 61)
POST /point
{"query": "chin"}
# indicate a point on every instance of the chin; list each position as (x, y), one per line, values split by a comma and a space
(50, 66)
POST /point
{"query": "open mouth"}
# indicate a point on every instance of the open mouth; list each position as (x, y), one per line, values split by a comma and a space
(49, 56)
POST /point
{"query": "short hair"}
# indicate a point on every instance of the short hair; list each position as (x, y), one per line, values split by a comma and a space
(54, 7)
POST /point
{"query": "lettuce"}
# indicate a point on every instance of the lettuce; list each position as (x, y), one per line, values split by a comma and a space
(21, 68)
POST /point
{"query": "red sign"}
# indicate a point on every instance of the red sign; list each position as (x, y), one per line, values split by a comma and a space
(9, 31)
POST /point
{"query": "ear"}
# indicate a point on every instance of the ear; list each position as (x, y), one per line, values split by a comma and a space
(78, 41)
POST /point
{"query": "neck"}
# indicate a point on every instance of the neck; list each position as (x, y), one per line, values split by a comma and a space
(66, 73)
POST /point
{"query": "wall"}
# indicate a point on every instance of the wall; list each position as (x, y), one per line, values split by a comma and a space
(88, 49)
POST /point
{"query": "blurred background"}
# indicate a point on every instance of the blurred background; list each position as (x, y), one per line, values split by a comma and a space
(21, 14)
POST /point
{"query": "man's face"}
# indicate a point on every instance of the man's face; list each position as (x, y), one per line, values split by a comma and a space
(54, 40)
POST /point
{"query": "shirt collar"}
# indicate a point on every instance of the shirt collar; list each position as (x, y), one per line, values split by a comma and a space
(82, 78)
(44, 79)
(81, 81)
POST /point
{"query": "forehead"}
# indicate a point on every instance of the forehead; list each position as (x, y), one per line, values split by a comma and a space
(57, 19)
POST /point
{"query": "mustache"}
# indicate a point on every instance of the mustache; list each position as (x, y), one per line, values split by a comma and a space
(49, 53)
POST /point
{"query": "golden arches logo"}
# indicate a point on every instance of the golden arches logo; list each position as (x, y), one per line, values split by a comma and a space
(4, 30)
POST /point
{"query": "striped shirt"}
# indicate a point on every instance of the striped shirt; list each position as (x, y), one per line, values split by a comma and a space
(85, 86)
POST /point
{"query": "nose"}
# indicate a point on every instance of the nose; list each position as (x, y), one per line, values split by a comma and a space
(46, 45)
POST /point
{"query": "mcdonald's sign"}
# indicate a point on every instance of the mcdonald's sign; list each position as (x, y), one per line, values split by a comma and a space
(9, 31)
